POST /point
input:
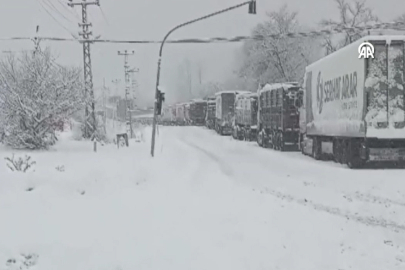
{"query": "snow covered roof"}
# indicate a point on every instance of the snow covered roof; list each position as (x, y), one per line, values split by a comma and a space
(231, 92)
(270, 87)
(356, 44)
(198, 101)
(246, 95)
(143, 116)
(111, 107)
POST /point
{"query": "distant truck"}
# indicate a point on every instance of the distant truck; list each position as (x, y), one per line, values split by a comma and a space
(210, 114)
(245, 121)
(187, 113)
(197, 112)
(350, 110)
(173, 115)
(225, 110)
(180, 119)
(167, 118)
(278, 116)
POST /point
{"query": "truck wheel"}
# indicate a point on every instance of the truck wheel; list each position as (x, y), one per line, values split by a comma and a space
(353, 159)
(281, 142)
(264, 141)
(301, 144)
(258, 139)
(317, 148)
(338, 151)
(275, 141)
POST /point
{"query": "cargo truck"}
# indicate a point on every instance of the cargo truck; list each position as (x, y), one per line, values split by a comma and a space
(165, 118)
(278, 116)
(173, 115)
(210, 114)
(187, 113)
(352, 107)
(197, 112)
(245, 121)
(224, 112)
(180, 120)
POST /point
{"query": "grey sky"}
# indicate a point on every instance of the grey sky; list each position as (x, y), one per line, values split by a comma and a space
(151, 19)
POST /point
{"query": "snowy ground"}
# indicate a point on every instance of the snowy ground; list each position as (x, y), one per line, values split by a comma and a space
(203, 202)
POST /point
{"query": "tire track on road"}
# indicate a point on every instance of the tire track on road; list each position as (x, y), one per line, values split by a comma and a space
(373, 199)
(224, 167)
(366, 220)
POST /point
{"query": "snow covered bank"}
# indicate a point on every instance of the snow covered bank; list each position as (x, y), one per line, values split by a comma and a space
(203, 202)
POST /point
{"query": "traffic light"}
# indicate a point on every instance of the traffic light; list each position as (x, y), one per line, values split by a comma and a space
(160, 100)
(252, 7)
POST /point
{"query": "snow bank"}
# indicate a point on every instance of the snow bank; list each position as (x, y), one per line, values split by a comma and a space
(203, 202)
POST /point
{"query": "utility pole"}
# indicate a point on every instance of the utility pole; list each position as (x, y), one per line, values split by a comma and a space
(127, 71)
(134, 82)
(36, 41)
(116, 82)
(158, 92)
(105, 102)
(200, 73)
(90, 130)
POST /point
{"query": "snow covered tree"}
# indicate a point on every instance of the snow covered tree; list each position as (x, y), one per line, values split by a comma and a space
(276, 59)
(185, 80)
(355, 14)
(36, 96)
(210, 88)
(402, 20)
(385, 80)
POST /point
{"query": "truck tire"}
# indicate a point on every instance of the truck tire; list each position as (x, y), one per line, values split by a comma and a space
(353, 159)
(317, 148)
(263, 139)
(281, 143)
(335, 151)
(258, 139)
(274, 141)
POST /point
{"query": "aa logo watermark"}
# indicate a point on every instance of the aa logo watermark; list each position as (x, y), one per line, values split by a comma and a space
(366, 50)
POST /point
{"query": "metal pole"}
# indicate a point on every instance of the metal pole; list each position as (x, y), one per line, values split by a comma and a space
(127, 103)
(160, 60)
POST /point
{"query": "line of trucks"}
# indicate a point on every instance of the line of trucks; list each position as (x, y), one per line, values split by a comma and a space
(348, 108)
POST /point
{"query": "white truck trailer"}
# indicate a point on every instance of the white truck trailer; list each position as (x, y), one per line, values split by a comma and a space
(353, 108)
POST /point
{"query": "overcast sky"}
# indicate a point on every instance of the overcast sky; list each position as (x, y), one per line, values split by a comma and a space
(151, 19)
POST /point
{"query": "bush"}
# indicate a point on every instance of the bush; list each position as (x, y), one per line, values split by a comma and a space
(21, 164)
(36, 95)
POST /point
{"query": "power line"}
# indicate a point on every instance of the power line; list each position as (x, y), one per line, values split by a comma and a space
(73, 12)
(58, 22)
(338, 30)
(104, 16)
(52, 6)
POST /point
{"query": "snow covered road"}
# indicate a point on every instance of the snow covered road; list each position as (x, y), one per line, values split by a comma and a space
(203, 202)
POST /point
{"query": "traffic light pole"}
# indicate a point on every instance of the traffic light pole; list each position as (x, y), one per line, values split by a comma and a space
(252, 10)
